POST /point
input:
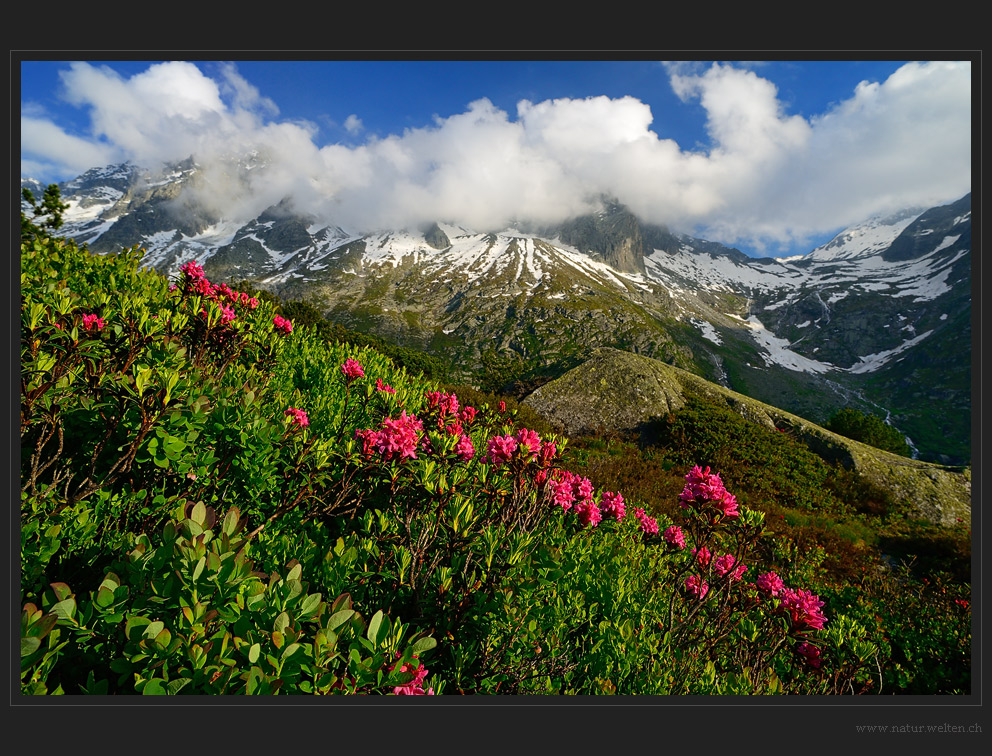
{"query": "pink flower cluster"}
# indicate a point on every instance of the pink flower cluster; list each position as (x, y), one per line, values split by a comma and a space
(93, 321)
(696, 587)
(548, 453)
(443, 411)
(500, 449)
(649, 525)
(811, 654)
(464, 448)
(566, 488)
(612, 505)
(416, 686)
(352, 369)
(703, 556)
(674, 536)
(444, 404)
(704, 491)
(588, 513)
(281, 324)
(195, 283)
(384, 387)
(770, 584)
(804, 609)
(193, 271)
(297, 417)
(397, 438)
(528, 443)
(727, 564)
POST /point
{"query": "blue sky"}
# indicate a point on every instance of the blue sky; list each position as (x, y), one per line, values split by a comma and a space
(770, 156)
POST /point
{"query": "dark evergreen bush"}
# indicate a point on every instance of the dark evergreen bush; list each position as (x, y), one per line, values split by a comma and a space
(868, 429)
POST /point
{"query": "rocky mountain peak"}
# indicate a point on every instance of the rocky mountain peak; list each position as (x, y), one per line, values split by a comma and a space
(613, 236)
(436, 237)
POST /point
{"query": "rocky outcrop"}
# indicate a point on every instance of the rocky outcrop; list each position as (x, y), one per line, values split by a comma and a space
(613, 391)
(619, 391)
(613, 236)
(436, 237)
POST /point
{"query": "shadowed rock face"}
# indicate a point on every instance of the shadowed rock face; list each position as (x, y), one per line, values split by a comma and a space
(619, 391)
(613, 236)
(436, 237)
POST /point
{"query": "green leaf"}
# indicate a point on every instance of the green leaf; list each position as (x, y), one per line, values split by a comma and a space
(424, 644)
(104, 597)
(295, 572)
(141, 379)
(42, 627)
(254, 682)
(339, 618)
(65, 609)
(163, 638)
(310, 604)
(378, 628)
(230, 525)
(154, 687)
(62, 591)
(134, 623)
(253, 652)
(29, 646)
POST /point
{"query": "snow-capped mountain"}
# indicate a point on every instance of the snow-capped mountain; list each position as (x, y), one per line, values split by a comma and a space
(878, 318)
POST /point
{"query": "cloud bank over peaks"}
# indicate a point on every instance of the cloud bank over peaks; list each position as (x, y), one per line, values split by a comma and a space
(765, 178)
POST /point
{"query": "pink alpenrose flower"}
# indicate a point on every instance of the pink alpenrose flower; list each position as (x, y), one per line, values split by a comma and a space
(281, 324)
(352, 369)
(675, 537)
(93, 321)
(297, 417)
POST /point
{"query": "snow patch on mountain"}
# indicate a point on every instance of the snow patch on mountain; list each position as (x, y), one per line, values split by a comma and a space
(865, 239)
(719, 272)
(872, 362)
(777, 351)
(707, 330)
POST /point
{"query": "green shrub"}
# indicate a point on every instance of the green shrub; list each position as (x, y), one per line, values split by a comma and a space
(189, 615)
(868, 429)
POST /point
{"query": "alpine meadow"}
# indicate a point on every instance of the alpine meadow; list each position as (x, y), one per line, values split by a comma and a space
(481, 407)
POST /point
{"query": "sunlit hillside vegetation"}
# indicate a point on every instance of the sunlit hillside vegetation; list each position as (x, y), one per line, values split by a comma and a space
(222, 495)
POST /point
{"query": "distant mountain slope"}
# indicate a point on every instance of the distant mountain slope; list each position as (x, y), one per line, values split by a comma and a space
(858, 322)
(619, 391)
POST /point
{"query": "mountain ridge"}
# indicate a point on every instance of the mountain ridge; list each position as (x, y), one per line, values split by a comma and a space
(842, 325)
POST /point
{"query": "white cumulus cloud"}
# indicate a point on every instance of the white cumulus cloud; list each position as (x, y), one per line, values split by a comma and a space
(766, 178)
